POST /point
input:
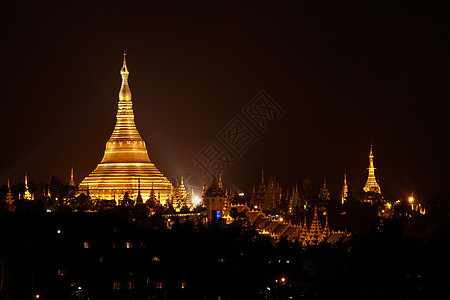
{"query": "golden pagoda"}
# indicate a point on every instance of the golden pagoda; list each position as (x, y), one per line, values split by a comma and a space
(315, 230)
(27, 195)
(371, 184)
(126, 166)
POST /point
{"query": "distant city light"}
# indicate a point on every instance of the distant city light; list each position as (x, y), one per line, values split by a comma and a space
(241, 194)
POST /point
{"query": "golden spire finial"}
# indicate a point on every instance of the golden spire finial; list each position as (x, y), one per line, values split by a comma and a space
(125, 93)
(124, 70)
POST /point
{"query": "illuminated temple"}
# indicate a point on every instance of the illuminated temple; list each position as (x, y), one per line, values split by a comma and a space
(371, 184)
(126, 166)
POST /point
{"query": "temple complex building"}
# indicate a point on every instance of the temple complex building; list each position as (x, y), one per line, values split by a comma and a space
(215, 199)
(272, 198)
(324, 194)
(126, 166)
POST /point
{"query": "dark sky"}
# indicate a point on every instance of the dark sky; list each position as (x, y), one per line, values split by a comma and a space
(345, 74)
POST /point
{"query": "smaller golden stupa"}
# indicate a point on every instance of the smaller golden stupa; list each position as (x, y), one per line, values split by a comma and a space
(371, 184)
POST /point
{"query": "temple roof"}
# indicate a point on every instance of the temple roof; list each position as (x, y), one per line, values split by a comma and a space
(215, 189)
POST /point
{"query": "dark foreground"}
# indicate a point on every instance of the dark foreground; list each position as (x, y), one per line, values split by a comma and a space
(99, 256)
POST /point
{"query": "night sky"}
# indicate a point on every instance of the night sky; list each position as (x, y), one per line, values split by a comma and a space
(346, 75)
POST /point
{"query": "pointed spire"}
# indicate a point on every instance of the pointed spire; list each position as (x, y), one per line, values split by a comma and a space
(139, 196)
(125, 92)
(371, 184)
(203, 190)
(344, 192)
(326, 230)
(72, 181)
(371, 159)
(124, 70)
(9, 196)
(27, 195)
(262, 176)
(324, 194)
(220, 181)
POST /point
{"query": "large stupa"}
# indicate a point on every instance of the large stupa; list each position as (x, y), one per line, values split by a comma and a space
(126, 166)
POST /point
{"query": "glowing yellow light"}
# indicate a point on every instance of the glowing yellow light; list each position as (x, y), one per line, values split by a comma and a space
(196, 200)
(281, 219)
(411, 199)
(283, 279)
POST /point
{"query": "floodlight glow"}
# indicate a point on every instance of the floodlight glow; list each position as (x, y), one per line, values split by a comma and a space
(196, 200)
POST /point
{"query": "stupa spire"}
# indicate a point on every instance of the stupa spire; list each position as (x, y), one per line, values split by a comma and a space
(27, 195)
(139, 196)
(124, 70)
(220, 181)
(324, 194)
(72, 181)
(344, 192)
(9, 196)
(371, 184)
